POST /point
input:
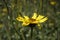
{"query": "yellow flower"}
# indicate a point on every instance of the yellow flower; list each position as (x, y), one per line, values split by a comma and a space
(53, 2)
(4, 10)
(34, 20)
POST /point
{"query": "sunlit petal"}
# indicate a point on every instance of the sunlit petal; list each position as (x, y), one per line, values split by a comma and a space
(34, 16)
(39, 17)
(39, 26)
(20, 18)
(25, 24)
(26, 17)
(43, 20)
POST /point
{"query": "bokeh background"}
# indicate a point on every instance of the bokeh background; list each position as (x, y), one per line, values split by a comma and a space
(11, 29)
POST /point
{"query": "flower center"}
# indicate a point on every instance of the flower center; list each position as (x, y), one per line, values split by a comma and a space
(32, 25)
(33, 20)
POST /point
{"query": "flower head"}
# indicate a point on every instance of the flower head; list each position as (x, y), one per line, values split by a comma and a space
(35, 20)
(53, 3)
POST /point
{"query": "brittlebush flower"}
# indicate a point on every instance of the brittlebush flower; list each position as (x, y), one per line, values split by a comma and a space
(34, 20)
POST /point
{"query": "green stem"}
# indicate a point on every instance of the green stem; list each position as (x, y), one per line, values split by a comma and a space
(31, 33)
(19, 33)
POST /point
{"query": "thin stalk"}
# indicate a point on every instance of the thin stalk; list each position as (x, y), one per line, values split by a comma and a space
(54, 9)
(0, 38)
(19, 33)
(41, 4)
(31, 33)
(6, 21)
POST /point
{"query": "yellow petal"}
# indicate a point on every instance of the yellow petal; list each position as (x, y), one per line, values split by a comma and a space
(26, 17)
(39, 26)
(39, 17)
(34, 16)
(43, 20)
(25, 24)
(20, 18)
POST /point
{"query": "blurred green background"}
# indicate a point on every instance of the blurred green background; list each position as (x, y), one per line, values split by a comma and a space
(11, 29)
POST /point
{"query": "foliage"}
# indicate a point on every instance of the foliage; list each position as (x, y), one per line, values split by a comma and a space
(11, 29)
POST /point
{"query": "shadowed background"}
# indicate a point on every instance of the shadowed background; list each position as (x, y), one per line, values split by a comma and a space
(11, 29)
